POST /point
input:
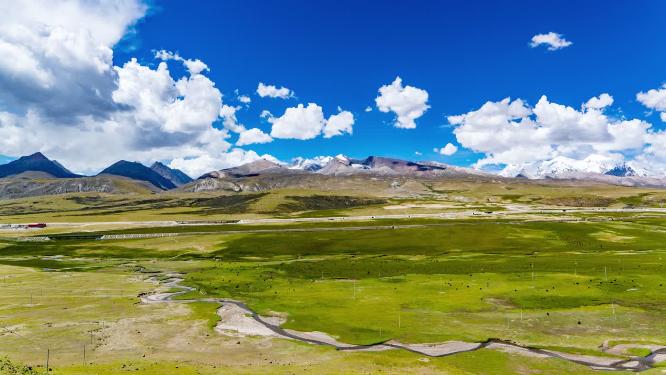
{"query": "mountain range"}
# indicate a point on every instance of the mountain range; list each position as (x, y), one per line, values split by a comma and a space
(37, 175)
(563, 167)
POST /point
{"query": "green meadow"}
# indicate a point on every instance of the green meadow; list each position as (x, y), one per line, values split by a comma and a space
(566, 286)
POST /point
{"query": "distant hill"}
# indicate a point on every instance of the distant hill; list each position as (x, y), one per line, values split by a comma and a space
(377, 165)
(255, 168)
(176, 176)
(36, 162)
(138, 171)
(30, 185)
(327, 173)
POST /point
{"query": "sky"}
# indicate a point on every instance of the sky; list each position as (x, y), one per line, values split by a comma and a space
(211, 84)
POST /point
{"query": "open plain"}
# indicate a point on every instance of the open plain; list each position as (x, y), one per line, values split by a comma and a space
(515, 278)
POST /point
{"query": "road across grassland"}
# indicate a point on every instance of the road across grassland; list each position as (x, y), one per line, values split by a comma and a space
(511, 211)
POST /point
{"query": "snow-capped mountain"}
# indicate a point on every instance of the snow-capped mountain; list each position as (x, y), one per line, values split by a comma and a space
(564, 167)
(311, 165)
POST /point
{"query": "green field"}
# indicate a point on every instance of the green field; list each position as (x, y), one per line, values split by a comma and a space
(586, 283)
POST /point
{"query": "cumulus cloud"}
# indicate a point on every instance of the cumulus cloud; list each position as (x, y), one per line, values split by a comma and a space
(57, 56)
(408, 103)
(368, 109)
(195, 66)
(339, 124)
(598, 102)
(252, 136)
(447, 150)
(61, 94)
(244, 99)
(229, 120)
(511, 133)
(202, 164)
(305, 123)
(553, 41)
(272, 91)
(298, 122)
(654, 99)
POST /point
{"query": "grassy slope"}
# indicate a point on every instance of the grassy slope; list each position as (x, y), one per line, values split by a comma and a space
(449, 193)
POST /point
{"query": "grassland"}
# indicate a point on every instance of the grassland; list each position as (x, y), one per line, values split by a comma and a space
(569, 286)
(340, 197)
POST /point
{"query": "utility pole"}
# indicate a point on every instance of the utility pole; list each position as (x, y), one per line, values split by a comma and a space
(532, 266)
(48, 354)
(613, 307)
(84, 354)
(354, 289)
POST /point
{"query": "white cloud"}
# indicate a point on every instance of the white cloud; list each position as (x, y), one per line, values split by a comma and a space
(229, 120)
(61, 94)
(654, 99)
(338, 124)
(57, 56)
(305, 123)
(408, 103)
(598, 102)
(244, 99)
(272, 91)
(252, 136)
(195, 66)
(298, 122)
(200, 165)
(266, 114)
(447, 150)
(554, 41)
(418, 153)
(511, 133)
(368, 109)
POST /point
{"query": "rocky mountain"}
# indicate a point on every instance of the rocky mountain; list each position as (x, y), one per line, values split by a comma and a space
(338, 172)
(36, 162)
(21, 186)
(376, 165)
(140, 172)
(255, 168)
(176, 176)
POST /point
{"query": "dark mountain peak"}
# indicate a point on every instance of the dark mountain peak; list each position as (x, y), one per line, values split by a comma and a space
(399, 165)
(36, 156)
(176, 176)
(138, 171)
(36, 162)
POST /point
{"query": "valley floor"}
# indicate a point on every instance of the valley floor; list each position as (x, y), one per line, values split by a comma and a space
(460, 291)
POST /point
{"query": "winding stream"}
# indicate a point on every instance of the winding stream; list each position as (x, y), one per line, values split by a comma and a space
(635, 364)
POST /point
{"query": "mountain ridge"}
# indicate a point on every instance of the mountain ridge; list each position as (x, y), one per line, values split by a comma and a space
(36, 162)
(138, 171)
(176, 176)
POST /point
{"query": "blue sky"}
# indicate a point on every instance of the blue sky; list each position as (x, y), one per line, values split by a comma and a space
(463, 53)
(87, 110)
